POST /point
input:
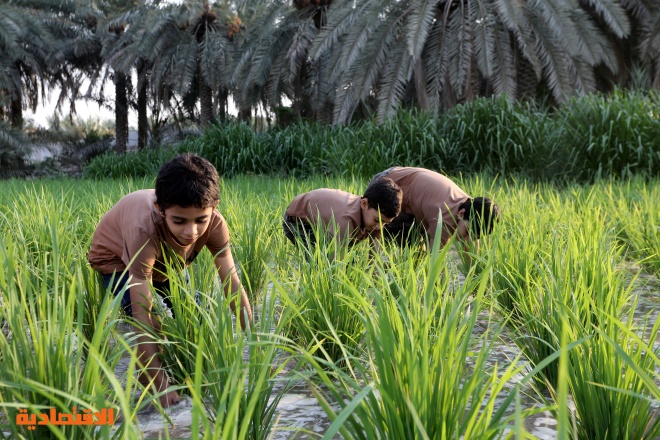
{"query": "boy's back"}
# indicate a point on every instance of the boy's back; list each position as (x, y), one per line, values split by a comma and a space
(331, 207)
(430, 197)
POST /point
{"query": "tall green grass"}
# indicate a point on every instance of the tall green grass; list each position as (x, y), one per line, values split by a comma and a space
(587, 138)
(392, 349)
(425, 374)
(317, 302)
(49, 358)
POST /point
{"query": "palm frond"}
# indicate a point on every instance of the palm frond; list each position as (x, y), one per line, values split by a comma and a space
(504, 74)
(419, 25)
(393, 84)
(613, 14)
(361, 78)
(341, 18)
(556, 17)
(512, 14)
(319, 87)
(184, 65)
(215, 59)
(555, 61)
(459, 48)
(435, 62)
(298, 52)
(582, 75)
(484, 37)
(595, 47)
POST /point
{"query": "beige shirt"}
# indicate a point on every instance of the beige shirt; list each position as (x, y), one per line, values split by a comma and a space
(134, 230)
(430, 196)
(333, 208)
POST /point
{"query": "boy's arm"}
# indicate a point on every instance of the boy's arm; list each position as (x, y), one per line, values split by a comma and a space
(232, 286)
(148, 349)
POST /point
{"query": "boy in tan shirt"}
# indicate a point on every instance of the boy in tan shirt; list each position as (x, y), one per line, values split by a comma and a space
(179, 217)
(342, 215)
(429, 199)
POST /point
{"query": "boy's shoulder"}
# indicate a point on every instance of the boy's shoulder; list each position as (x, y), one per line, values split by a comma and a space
(328, 192)
(140, 198)
(134, 210)
(325, 196)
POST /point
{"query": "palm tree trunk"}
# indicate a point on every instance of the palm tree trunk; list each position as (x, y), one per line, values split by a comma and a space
(143, 121)
(527, 79)
(121, 113)
(222, 105)
(245, 114)
(206, 103)
(16, 111)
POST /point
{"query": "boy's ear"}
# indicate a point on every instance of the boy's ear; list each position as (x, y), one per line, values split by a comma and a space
(158, 209)
(461, 213)
(364, 203)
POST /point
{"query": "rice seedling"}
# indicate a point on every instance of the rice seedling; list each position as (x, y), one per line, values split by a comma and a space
(574, 279)
(425, 374)
(230, 376)
(611, 400)
(47, 362)
(639, 219)
(316, 304)
(252, 235)
(397, 348)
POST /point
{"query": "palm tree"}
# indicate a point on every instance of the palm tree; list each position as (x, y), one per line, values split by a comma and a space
(122, 53)
(187, 49)
(25, 46)
(13, 150)
(111, 32)
(274, 61)
(440, 52)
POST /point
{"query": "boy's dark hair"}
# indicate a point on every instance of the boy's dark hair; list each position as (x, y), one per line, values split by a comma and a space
(384, 195)
(482, 214)
(187, 180)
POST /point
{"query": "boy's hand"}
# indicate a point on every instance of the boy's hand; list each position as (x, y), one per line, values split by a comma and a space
(169, 398)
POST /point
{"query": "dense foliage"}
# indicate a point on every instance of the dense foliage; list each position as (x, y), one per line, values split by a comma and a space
(561, 299)
(592, 136)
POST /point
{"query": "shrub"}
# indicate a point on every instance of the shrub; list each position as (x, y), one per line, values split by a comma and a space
(589, 137)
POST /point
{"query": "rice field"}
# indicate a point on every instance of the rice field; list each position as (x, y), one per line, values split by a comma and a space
(407, 345)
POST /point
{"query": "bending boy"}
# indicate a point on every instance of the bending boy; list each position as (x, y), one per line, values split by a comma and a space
(430, 198)
(180, 217)
(342, 215)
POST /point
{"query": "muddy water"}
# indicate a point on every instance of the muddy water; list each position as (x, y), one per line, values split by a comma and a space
(301, 417)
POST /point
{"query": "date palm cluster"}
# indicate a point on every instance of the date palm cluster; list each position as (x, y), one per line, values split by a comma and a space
(320, 60)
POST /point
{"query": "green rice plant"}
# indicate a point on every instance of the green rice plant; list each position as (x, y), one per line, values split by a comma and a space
(501, 136)
(230, 378)
(426, 374)
(638, 218)
(252, 234)
(529, 213)
(638, 349)
(576, 278)
(242, 407)
(46, 360)
(611, 400)
(589, 294)
(317, 301)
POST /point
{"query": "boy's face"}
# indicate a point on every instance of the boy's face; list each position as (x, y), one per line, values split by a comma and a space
(371, 218)
(463, 226)
(187, 224)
